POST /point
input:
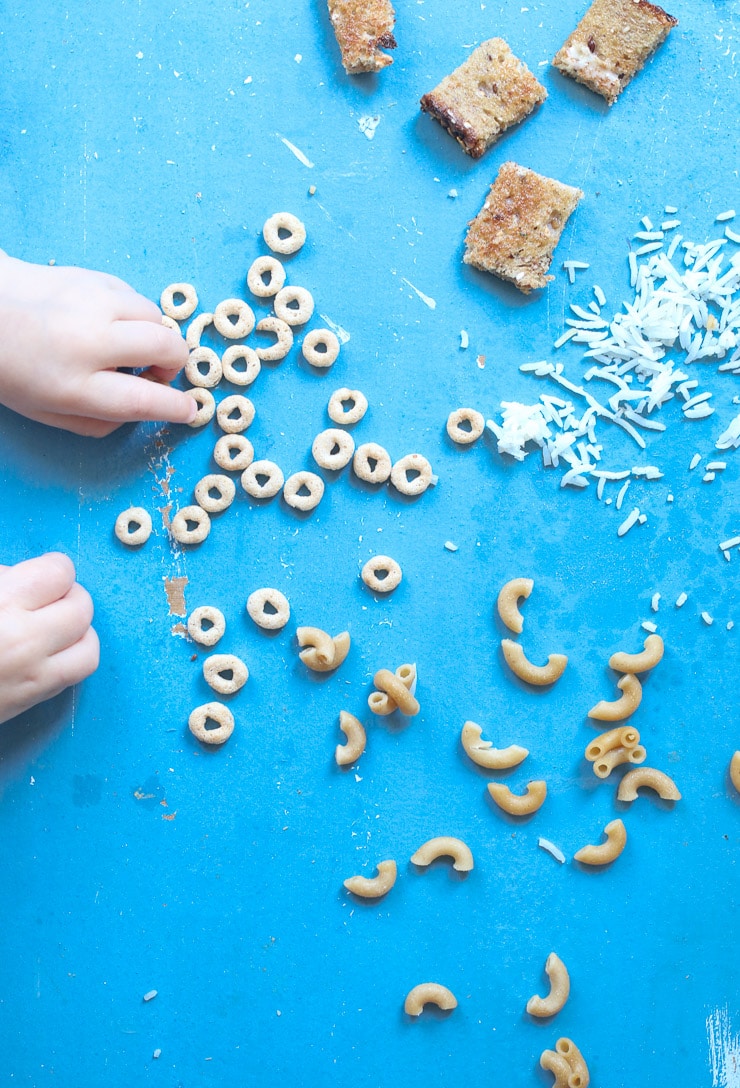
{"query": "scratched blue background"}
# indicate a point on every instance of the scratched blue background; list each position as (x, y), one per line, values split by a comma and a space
(150, 141)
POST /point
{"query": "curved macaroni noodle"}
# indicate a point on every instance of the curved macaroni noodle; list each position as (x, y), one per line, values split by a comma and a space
(508, 602)
(323, 653)
(735, 771)
(559, 978)
(428, 993)
(442, 847)
(519, 804)
(484, 754)
(654, 779)
(196, 328)
(652, 653)
(605, 764)
(538, 675)
(354, 731)
(395, 691)
(620, 708)
(616, 839)
(624, 736)
(373, 887)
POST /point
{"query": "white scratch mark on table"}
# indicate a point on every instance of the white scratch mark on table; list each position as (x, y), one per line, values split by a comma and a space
(296, 151)
(724, 1050)
(430, 302)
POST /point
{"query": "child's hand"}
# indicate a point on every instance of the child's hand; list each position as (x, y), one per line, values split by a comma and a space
(65, 331)
(48, 643)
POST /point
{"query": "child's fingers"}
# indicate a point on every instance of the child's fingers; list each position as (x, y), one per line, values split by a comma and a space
(91, 428)
(73, 664)
(114, 396)
(64, 622)
(139, 343)
(38, 582)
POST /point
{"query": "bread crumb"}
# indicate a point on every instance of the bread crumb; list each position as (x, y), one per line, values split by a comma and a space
(363, 28)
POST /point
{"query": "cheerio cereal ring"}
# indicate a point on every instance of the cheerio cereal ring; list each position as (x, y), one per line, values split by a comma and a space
(199, 358)
(190, 525)
(303, 490)
(170, 323)
(465, 425)
(262, 479)
(195, 330)
(339, 414)
(284, 233)
(179, 311)
(268, 608)
(293, 305)
(224, 487)
(215, 670)
(133, 526)
(233, 307)
(381, 574)
(283, 339)
(320, 348)
(412, 474)
(206, 406)
(235, 414)
(265, 277)
(236, 354)
(206, 625)
(233, 452)
(215, 712)
(333, 448)
(371, 463)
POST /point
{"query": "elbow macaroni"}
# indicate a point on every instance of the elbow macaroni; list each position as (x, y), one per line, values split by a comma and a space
(604, 766)
(395, 691)
(616, 838)
(373, 887)
(354, 731)
(508, 602)
(322, 653)
(517, 804)
(484, 754)
(559, 978)
(654, 779)
(735, 771)
(647, 659)
(621, 708)
(445, 846)
(428, 993)
(537, 675)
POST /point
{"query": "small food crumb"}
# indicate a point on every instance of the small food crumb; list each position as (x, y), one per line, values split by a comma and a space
(149, 995)
(452, 193)
(156, 1053)
(681, 600)
(451, 547)
(709, 620)
(311, 190)
(648, 625)
(655, 601)
(464, 339)
(730, 624)
(481, 361)
(694, 461)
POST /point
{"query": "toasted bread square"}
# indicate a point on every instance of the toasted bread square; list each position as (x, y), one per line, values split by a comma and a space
(515, 233)
(363, 29)
(488, 93)
(611, 44)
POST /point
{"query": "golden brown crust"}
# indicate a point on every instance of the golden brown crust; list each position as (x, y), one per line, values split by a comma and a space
(363, 29)
(491, 91)
(516, 231)
(611, 44)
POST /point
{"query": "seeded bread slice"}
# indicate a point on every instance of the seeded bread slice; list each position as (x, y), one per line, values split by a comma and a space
(515, 233)
(363, 28)
(611, 44)
(488, 93)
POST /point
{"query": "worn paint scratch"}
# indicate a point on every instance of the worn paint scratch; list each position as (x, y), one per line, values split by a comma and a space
(296, 151)
(724, 1049)
(175, 590)
(430, 302)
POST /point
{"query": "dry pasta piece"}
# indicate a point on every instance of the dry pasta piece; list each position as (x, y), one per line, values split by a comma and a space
(382, 574)
(484, 754)
(567, 1049)
(190, 525)
(412, 474)
(196, 328)
(235, 414)
(354, 731)
(206, 625)
(179, 311)
(735, 771)
(651, 654)
(624, 736)
(333, 449)
(233, 308)
(465, 426)
(320, 348)
(371, 463)
(555, 1063)
(133, 526)
(559, 978)
(225, 673)
(268, 608)
(605, 764)
(262, 479)
(373, 887)
(265, 267)
(346, 416)
(428, 993)
(445, 846)
(395, 691)
(519, 804)
(303, 490)
(654, 779)
(538, 675)
(206, 406)
(240, 353)
(284, 233)
(224, 487)
(322, 653)
(199, 358)
(619, 709)
(283, 339)
(215, 712)
(508, 602)
(233, 452)
(616, 838)
(293, 305)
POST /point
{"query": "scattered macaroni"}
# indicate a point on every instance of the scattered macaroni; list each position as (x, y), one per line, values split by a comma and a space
(262, 479)
(605, 764)
(616, 838)
(216, 670)
(303, 490)
(735, 771)
(395, 691)
(323, 653)
(195, 516)
(233, 452)
(371, 463)
(198, 358)
(339, 414)
(623, 736)
(484, 754)
(133, 526)
(179, 311)
(508, 602)
(224, 487)
(320, 348)
(656, 780)
(284, 233)
(293, 305)
(557, 1064)
(461, 434)
(381, 574)
(332, 449)
(215, 712)
(445, 846)
(268, 608)
(621, 708)
(258, 270)
(567, 1049)
(559, 978)
(206, 406)
(195, 330)
(633, 663)
(206, 625)
(228, 309)
(373, 887)
(248, 356)
(283, 339)
(428, 993)
(235, 414)
(411, 475)
(517, 804)
(354, 731)
(538, 675)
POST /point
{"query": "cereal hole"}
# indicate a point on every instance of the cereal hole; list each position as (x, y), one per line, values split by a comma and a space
(269, 609)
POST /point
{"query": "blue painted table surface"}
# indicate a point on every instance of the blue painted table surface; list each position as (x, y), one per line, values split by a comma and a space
(152, 141)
